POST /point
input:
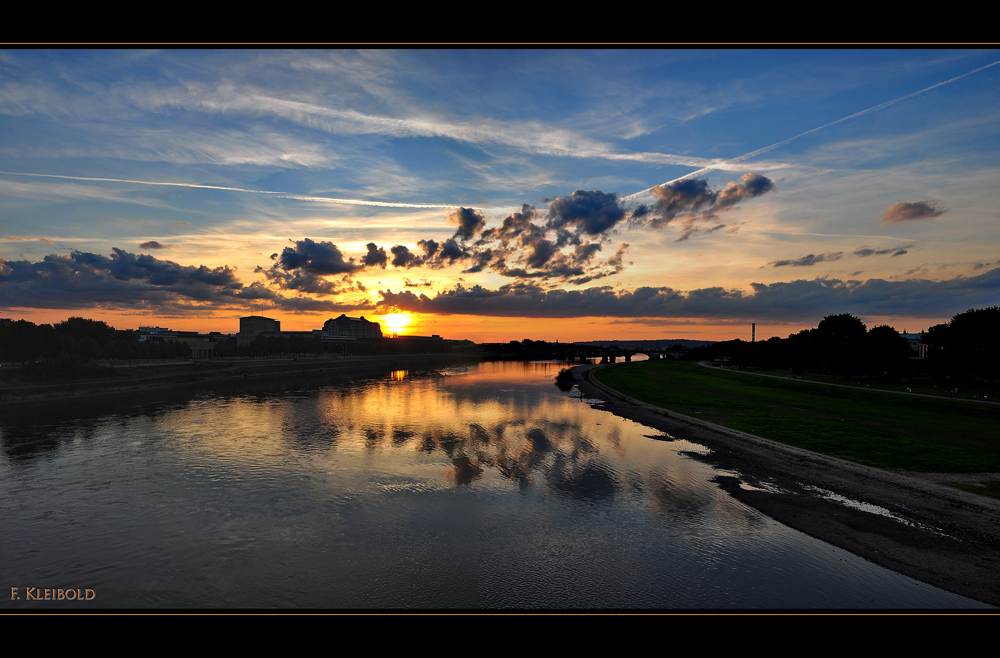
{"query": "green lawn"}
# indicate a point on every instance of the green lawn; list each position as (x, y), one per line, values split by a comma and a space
(966, 391)
(881, 429)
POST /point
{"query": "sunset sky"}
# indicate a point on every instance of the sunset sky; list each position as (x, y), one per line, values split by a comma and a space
(497, 195)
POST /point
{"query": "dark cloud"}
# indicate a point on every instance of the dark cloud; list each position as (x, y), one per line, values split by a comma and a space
(694, 203)
(539, 253)
(864, 251)
(84, 279)
(683, 197)
(316, 258)
(808, 261)
(754, 185)
(126, 280)
(451, 252)
(590, 212)
(800, 300)
(469, 223)
(416, 284)
(307, 282)
(376, 256)
(429, 247)
(152, 244)
(563, 244)
(303, 268)
(524, 245)
(482, 261)
(403, 257)
(907, 211)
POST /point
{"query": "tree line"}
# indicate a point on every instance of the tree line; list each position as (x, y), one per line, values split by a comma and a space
(75, 344)
(966, 348)
(78, 340)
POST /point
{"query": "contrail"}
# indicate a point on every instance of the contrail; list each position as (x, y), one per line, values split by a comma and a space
(765, 149)
(282, 195)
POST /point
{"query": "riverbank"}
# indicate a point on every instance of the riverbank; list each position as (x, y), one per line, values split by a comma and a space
(147, 380)
(912, 525)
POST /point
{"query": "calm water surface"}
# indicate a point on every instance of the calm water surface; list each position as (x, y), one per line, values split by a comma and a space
(474, 487)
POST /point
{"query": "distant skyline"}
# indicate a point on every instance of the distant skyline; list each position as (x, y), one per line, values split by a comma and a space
(496, 195)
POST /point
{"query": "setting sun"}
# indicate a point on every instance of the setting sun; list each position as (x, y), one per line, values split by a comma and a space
(395, 323)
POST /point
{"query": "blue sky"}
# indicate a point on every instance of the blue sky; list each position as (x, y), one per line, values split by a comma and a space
(185, 187)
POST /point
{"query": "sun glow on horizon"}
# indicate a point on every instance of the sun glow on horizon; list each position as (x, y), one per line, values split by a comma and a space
(395, 323)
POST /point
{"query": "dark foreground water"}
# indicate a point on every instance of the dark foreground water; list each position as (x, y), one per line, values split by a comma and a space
(474, 487)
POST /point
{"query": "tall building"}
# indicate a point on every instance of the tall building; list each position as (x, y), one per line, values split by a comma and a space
(357, 328)
(253, 326)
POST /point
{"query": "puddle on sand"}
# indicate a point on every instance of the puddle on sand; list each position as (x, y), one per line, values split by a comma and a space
(871, 509)
(766, 487)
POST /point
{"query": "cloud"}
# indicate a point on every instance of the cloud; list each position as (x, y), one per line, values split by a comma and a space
(800, 300)
(417, 284)
(527, 245)
(152, 244)
(694, 202)
(316, 258)
(376, 256)
(561, 244)
(469, 223)
(864, 251)
(908, 211)
(590, 212)
(403, 257)
(84, 279)
(807, 261)
(754, 185)
(681, 198)
(125, 280)
(527, 136)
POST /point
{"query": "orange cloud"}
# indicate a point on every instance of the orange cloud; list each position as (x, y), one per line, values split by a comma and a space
(907, 211)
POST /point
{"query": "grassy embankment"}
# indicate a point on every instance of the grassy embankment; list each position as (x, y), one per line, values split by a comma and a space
(966, 391)
(881, 429)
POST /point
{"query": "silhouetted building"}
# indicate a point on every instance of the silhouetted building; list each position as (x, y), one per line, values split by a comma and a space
(357, 328)
(201, 349)
(253, 326)
(917, 345)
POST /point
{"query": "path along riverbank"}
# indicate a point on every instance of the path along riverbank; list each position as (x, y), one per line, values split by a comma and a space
(928, 531)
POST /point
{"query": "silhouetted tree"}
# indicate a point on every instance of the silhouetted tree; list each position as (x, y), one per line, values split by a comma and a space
(840, 340)
(886, 351)
(971, 345)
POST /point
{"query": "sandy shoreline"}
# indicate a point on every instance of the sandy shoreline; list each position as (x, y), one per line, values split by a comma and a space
(919, 528)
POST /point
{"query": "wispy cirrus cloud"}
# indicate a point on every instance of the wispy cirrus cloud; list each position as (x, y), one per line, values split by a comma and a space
(535, 137)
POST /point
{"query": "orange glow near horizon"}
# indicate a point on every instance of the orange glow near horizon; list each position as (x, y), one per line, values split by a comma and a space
(478, 329)
(394, 323)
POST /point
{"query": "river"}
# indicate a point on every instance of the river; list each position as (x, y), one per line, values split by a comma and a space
(472, 487)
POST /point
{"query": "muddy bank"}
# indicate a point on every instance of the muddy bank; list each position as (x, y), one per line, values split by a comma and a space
(928, 531)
